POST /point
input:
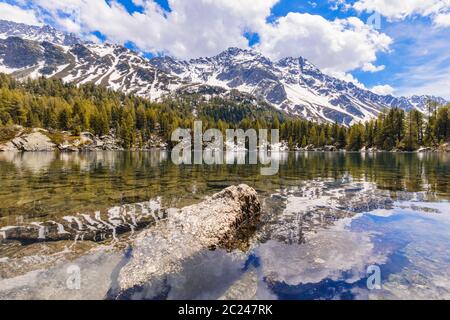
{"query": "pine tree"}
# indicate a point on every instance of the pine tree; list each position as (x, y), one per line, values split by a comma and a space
(322, 140)
(417, 124)
(126, 131)
(355, 138)
(410, 141)
(342, 138)
(64, 120)
(304, 142)
(429, 138)
(313, 136)
(442, 127)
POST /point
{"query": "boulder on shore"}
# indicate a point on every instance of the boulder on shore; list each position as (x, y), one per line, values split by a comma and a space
(8, 146)
(34, 141)
(424, 150)
(223, 221)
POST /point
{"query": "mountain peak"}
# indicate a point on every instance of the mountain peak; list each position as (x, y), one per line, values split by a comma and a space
(299, 62)
(239, 56)
(239, 52)
(37, 33)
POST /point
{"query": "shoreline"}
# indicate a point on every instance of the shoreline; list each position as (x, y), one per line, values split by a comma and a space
(225, 151)
(22, 139)
(56, 150)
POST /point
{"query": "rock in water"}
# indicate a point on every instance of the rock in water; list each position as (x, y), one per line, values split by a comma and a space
(220, 221)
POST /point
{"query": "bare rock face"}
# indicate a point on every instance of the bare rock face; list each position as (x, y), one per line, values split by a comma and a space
(220, 221)
(35, 141)
(8, 146)
(11, 132)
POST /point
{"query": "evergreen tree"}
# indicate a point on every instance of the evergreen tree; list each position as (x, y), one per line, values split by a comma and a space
(126, 131)
(441, 128)
(355, 138)
(410, 141)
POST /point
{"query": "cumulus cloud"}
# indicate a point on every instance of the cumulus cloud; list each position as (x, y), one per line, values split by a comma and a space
(197, 28)
(442, 20)
(383, 90)
(339, 5)
(341, 45)
(17, 14)
(369, 67)
(401, 9)
(191, 29)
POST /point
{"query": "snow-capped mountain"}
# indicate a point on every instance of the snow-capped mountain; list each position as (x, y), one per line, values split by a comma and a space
(29, 51)
(293, 85)
(36, 33)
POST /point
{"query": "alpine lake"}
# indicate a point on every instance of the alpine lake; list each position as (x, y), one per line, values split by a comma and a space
(333, 225)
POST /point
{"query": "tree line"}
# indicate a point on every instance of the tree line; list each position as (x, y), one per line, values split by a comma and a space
(54, 105)
(393, 129)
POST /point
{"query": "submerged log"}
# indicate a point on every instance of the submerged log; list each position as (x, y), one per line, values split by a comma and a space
(221, 221)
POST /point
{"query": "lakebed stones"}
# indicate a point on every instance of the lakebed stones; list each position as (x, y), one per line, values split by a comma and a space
(222, 220)
(100, 226)
(170, 238)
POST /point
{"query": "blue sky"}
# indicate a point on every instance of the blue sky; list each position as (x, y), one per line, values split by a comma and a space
(391, 46)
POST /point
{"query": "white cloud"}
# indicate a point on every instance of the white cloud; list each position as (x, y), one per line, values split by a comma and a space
(17, 14)
(370, 67)
(442, 20)
(383, 90)
(401, 9)
(193, 28)
(339, 5)
(341, 45)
